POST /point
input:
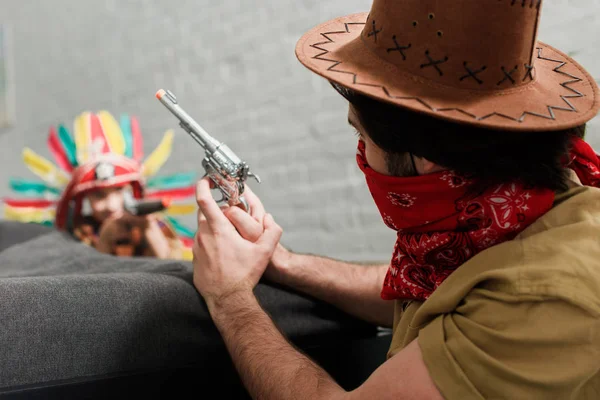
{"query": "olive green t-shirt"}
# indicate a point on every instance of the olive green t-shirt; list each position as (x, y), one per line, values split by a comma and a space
(520, 320)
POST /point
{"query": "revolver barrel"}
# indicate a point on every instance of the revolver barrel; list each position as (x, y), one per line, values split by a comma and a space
(221, 164)
(188, 123)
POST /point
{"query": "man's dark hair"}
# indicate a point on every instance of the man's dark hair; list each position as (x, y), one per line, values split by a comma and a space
(488, 156)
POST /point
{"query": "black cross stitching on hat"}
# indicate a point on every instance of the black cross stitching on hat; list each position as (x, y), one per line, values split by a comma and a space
(472, 74)
(355, 58)
(399, 48)
(434, 63)
(529, 72)
(508, 75)
(374, 32)
(551, 115)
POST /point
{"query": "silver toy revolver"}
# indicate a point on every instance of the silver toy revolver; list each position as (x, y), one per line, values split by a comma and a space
(222, 165)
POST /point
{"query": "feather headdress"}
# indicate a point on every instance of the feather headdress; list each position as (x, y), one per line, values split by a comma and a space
(101, 153)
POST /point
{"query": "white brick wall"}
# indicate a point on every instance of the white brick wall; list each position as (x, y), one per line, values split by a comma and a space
(232, 65)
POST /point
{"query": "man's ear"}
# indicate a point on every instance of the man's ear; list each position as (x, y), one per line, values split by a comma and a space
(424, 166)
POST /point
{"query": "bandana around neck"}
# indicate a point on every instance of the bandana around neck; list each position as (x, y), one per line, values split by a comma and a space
(441, 225)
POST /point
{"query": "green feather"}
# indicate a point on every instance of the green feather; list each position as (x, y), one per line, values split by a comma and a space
(172, 181)
(127, 135)
(181, 229)
(68, 144)
(32, 188)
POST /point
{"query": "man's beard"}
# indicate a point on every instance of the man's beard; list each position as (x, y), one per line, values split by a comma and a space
(400, 164)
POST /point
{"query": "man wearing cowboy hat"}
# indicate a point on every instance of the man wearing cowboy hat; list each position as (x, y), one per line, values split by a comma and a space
(470, 139)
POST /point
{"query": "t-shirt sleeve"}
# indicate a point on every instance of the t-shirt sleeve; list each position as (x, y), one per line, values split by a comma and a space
(498, 346)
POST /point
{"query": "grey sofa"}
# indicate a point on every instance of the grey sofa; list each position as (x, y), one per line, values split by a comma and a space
(79, 324)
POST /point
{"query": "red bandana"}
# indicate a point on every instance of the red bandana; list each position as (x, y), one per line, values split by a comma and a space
(440, 226)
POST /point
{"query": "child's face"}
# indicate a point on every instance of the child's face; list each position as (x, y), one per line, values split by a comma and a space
(106, 202)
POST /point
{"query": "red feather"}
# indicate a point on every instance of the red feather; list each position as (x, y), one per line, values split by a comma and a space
(175, 194)
(58, 151)
(187, 242)
(136, 137)
(35, 203)
(98, 133)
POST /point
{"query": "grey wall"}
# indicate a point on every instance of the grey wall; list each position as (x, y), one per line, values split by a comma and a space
(232, 65)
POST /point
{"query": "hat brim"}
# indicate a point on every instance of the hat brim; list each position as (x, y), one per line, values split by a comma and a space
(562, 94)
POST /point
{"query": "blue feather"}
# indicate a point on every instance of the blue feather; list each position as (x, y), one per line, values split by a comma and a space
(180, 229)
(68, 144)
(32, 188)
(175, 181)
(127, 135)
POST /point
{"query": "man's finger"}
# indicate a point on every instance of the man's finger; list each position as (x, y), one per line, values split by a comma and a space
(200, 216)
(134, 220)
(203, 231)
(249, 228)
(257, 210)
(271, 235)
(208, 206)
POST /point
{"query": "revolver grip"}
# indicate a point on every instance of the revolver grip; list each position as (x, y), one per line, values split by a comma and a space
(228, 188)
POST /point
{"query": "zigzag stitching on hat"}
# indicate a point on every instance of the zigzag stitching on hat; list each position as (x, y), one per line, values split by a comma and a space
(551, 109)
(565, 84)
(354, 75)
(405, 98)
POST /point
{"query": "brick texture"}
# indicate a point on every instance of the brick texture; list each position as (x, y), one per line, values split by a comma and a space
(232, 66)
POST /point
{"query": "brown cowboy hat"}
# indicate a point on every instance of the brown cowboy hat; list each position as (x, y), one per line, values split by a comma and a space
(469, 61)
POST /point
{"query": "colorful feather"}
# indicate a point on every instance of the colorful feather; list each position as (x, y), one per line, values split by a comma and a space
(137, 140)
(58, 151)
(44, 168)
(180, 229)
(185, 236)
(29, 203)
(33, 188)
(159, 156)
(187, 241)
(28, 214)
(182, 209)
(112, 132)
(125, 124)
(172, 181)
(83, 137)
(68, 145)
(175, 194)
(99, 141)
(187, 254)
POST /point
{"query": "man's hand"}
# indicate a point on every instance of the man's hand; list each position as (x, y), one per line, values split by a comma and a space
(225, 262)
(130, 235)
(252, 229)
(122, 233)
(354, 288)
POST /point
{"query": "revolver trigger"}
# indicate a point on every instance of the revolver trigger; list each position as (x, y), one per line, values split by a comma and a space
(245, 204)
(255, 177)
(221, 200)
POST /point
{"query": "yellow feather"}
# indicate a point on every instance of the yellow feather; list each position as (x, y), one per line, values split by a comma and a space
(83, 137)
(181, 209)
(113, 132)
(44, 168)
(28, 214)
(159, 156)
(186, 254)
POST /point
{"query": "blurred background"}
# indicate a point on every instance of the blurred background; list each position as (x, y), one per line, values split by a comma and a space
(233, 68)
